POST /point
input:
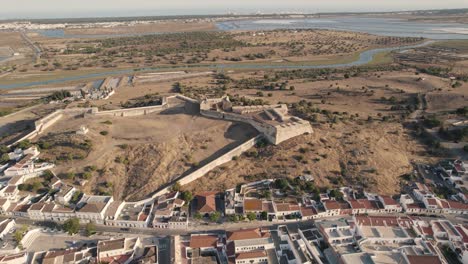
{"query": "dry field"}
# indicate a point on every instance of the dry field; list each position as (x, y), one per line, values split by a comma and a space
(203, 47)
(138, 154)
(345, 154)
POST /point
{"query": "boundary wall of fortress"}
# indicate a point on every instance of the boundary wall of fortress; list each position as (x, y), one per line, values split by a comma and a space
(50, 119)
(199, 173)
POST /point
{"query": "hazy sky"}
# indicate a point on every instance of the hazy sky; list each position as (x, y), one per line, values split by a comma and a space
(88, 8)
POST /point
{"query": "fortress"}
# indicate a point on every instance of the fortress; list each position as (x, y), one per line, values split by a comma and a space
(273, 121)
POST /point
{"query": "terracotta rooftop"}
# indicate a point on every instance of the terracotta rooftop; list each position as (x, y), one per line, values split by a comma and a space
(109, 245)
(48, 208)
(251, 233)
(92, 208)
(423, 259)
(458, 205)
(383, 221)
(10, 189)
(250, 255)
(37, 207)
(308, 211)
(23, 208)
(15, 180)
(203, 241)
(206, 202)
(253, 205)
(432, 201)
(287, 207)
(331, 205)
(387, 200)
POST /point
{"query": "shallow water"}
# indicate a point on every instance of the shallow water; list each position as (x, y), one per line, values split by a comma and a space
(377, 26)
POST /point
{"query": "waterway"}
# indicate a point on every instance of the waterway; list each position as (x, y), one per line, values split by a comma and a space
(377, 26)
(364, 58)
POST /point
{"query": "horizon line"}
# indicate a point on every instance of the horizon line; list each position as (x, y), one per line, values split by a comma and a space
(230, 13)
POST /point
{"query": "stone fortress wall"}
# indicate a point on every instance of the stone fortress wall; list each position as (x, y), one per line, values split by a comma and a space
(273, 133)
(47, 121)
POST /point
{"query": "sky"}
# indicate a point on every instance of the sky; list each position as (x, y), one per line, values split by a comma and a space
(10, 9)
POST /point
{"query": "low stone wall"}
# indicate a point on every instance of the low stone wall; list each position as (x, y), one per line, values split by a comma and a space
(133, 111)
(210, 166)
(50, 119)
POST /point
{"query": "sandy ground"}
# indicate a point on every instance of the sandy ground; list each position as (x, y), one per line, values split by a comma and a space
(160, 147)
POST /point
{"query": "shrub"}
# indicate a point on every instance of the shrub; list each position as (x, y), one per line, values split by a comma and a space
(72, 226)
(104, 133)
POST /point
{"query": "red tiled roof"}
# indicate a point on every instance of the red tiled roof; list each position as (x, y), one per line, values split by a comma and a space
(458, 205)
(287, 207)
(416, 206)
(331, 205)
(423, 259)
(251, 255)
(432, 201)
(463, 233)
(383, 221)
(250, 233)
(444, 204)
(203, 241)
(308, 211)
(22, 208)
(387, 200)
(10, 189)
(253, 205)
(206, 202)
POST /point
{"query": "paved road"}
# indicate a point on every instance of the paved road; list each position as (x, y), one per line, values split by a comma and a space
(214, 228)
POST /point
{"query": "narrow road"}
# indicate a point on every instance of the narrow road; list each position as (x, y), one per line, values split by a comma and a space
(37, 51)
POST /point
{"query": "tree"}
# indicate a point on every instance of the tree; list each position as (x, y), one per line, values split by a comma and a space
(24, 144)
(251, 216)
(214, 217)
(4, 149)
(72, 226)
(187, 196)
(19, 233)
(176, 187)
(337, 194)
(76, 197)
(281, 183)
(90, 229)
(87, 175)
(264, 215)
(47, 175)
(197, 216)
(4, 158)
